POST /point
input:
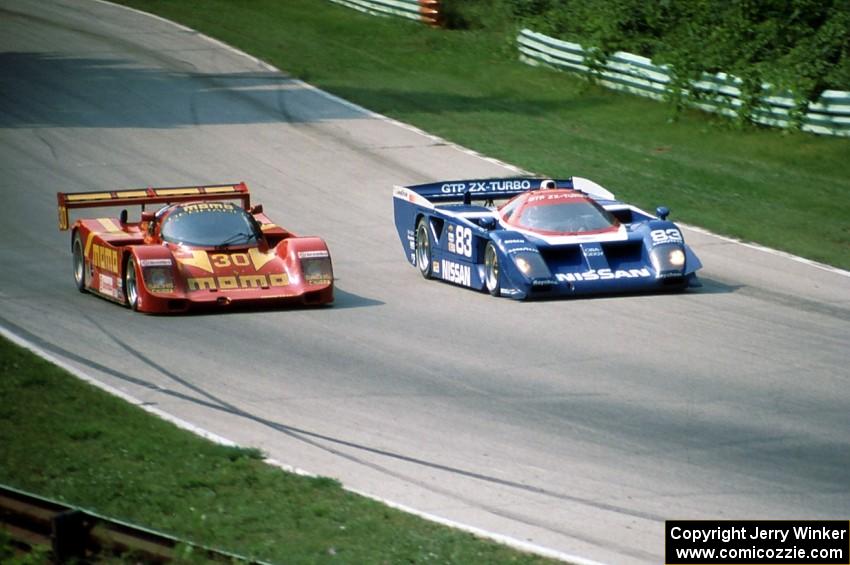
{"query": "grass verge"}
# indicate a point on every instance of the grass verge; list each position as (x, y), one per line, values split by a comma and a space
(64, 439)
(788, 191)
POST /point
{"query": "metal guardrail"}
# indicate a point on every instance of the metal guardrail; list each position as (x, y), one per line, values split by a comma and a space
(75, 534)
(426, 11)
(718, 93)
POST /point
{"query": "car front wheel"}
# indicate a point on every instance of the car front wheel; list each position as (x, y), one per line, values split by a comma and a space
(131, 284)
(423, 248)
(79, 262)
(491, 269)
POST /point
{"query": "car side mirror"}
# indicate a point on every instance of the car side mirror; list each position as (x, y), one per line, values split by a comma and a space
(487, 223)
(662, 212)
(257, 209)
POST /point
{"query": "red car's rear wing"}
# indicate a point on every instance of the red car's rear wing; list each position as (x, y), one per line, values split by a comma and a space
(142, 196)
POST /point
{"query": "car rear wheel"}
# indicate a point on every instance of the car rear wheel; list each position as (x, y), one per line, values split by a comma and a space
(491, 269)
(79, 262)
(131, 283)
(423, 248)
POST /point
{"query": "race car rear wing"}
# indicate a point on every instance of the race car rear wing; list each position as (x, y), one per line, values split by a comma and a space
(142, 196)
(498, 188)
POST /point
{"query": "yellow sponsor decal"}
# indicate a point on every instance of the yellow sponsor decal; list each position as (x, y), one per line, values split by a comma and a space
(176, 191)
(220, 189)
(223, 260)
(260, 259)
(88, 196)
(131, 193)
(201, 283)
(253, 281)
(253, 257)
(109, 225)
(215, 261)
(104, 258)
(237, 282)
(199, 259)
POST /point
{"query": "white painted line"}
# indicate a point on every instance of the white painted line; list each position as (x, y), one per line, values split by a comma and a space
(769, 250)
(215, 438)
(504, 540)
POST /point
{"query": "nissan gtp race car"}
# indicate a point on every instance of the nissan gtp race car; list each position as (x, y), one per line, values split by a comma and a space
(199, 249)
(551, 238)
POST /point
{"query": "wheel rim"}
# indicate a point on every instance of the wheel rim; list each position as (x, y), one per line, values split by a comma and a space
(78, 263)
(491, 264)
(423, 249)
(130, 284)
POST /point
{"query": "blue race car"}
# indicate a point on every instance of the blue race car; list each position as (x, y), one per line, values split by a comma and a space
(548, 238)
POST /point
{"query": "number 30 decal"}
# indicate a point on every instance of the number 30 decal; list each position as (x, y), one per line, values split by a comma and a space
(665, 236)
(463, 241)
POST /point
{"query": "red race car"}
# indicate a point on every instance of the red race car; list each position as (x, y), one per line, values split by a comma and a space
(200, 248)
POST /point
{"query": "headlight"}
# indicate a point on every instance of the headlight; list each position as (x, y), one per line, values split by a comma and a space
(523, 265)
(159, 279)
(316, 266)
(677, 257)
(667, 261)
(531, 265)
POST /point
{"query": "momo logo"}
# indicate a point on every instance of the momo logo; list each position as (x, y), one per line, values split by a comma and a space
(603, 275)
(240, 282)
(207, 206)
(104, 258)
(457, 273)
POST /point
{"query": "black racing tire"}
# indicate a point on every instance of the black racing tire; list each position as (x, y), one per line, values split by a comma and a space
(423, 248)
(131, 283)
(491, 269)
(79, 262)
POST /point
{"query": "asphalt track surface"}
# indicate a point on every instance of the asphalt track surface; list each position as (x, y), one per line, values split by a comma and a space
(578, 425)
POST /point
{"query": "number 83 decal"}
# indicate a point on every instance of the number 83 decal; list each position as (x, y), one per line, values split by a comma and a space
(463, 241)
(671, 235)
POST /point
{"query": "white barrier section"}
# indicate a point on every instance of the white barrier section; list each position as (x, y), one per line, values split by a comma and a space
(426, 11)
(719, 93)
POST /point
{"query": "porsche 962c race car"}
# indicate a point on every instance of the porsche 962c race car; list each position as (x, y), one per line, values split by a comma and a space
(548, 238)
(200, 248)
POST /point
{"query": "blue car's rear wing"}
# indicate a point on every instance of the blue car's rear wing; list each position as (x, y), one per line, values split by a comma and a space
(499, 188)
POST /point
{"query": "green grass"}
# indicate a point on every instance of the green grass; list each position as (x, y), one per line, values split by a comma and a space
(788, 191)
(64, 439)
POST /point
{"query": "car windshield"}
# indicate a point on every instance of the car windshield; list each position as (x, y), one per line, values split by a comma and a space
(573, 216)
(209, 224)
